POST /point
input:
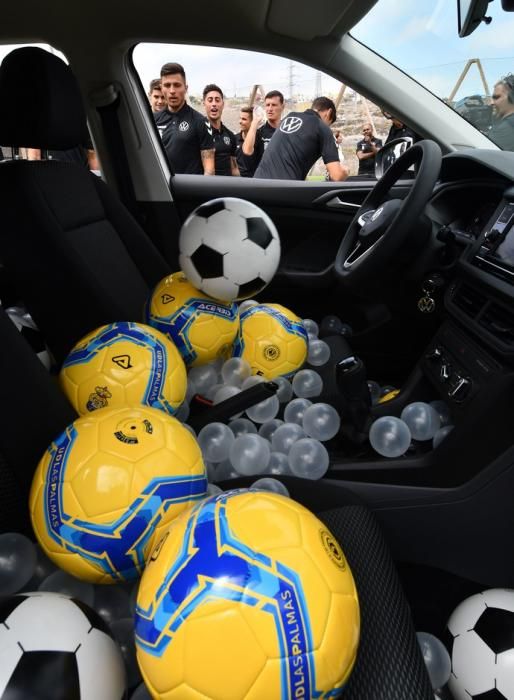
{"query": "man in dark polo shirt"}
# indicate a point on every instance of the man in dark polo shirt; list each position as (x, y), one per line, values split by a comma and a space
(298, 143)
(247, 123)
(257, 140)
(366, 150)
(186, 134)
(224, 139)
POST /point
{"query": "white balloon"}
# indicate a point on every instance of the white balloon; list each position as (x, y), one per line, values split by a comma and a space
(235, 371)
(285, 389)
(203, 377)
(310, 326)
(436, 658)
(267, 483)
(252, 381)
(390, 436)
(241, 426)
(321, 421)
(264, 411)
(307, 383)
(308, 459)
(249, 454)
(267, 429)
(215, 440)
(318, 353)
(247, 304)
(293, 412)
(61, 582)
(278, 464)
(443, 410)
(284, 437)
(18, 559)
(441, 435)
(423, 420)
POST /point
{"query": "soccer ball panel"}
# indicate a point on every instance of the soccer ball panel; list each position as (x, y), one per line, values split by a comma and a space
(99, 651)
(473, 667)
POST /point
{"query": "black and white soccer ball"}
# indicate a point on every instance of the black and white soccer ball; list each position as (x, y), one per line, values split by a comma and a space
(229, 248)
(55, 647)
(480, 640)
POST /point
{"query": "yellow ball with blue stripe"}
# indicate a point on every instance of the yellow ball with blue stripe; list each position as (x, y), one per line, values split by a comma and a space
(108, 487)
(247, 596)
(202, 328)
(272, 339)
(124, 364)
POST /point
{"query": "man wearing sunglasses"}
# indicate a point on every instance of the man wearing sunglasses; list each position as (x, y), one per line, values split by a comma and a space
(502, 130)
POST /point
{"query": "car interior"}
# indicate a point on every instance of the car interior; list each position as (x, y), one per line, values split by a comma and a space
(420, 531)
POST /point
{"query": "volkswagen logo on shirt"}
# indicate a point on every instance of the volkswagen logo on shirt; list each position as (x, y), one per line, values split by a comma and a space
(291, 124)
(226, 140)
(183, 126)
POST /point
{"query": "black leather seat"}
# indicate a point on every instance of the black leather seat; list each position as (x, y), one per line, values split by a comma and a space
(77, 257)
(79, 260)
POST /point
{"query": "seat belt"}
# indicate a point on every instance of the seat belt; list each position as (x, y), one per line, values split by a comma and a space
(119, 162)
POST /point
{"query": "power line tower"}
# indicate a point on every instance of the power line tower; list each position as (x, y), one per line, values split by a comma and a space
(318, 91)
(292, 82)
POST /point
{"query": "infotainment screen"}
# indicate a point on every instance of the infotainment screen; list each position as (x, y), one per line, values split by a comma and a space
(503, 230)
(505, 251)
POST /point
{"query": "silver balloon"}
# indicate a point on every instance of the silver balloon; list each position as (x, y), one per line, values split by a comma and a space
(202, 378)
(225, 471)
(308, 459)
(252, 381)
(307, 383)
(123, 633)
(437, 660)
(285, 436)
(443, 411)
(285, 389)
(390, 436)
(213, 490)
(293, 412)
(266, 483)
(278, 464)
(215, 440)
(235, 371)
(242, 426)
(247, 304)
(61, 582)
(264, 411)
(318, 353)
(441, 435)
(249, 454)
(267, 429)
(310, 326)
(141, 693)
(422, 419)
(111, 603)
(18, 560)
(321, 421)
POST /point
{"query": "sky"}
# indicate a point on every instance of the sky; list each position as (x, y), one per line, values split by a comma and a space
(419, 36)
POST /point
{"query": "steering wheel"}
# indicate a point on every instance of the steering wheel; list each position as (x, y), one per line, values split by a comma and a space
(382, 226)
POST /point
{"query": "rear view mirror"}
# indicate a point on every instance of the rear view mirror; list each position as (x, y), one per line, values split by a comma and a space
(390, 153)
(470, 13)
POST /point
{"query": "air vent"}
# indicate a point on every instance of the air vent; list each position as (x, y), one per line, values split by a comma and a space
(469, 300)
(498, 320)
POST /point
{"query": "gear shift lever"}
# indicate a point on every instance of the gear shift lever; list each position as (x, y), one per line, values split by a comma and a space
(352, 385)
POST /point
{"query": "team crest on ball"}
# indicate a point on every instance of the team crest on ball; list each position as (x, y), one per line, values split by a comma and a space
(124, 364)
(241, 599)
(229, 249)
(272, 339)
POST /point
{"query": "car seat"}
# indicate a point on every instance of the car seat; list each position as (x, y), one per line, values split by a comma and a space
(389, 664)
(78, 259)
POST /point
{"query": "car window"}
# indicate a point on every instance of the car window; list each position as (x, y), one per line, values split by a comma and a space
(473, 75)
(246, 77)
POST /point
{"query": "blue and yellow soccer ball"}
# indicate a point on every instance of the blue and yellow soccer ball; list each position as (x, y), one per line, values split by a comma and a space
(248, 595)
(202, 328)
(124, 364)
(107, 488)
(272, 339)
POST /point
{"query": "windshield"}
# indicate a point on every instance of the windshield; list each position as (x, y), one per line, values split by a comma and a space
(421, 38)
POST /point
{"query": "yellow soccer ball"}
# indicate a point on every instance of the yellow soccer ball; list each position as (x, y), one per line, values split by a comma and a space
(107, 488)
(272, 339)
(202, 328)
(247, 595)
(124, 364)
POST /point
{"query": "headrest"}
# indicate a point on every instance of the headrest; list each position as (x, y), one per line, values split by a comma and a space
(55, 118)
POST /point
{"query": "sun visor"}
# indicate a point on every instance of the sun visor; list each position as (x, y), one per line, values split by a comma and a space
(306, 19)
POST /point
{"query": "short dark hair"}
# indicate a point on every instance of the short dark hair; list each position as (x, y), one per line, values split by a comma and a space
(155, 84)
(212, 88)
(322, 104)
(173, 69)
(275, 93)
(247, 110)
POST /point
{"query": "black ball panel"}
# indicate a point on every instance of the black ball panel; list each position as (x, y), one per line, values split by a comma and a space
(8, 604)
(493, 694)
(496, 628)
(258, 232)
(209, 209)
(248, 289)
(208, 262)
(44, 675)
(94, 619)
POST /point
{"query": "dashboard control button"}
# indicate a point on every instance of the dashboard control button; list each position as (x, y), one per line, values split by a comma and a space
(445, 372)
(460, 389)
